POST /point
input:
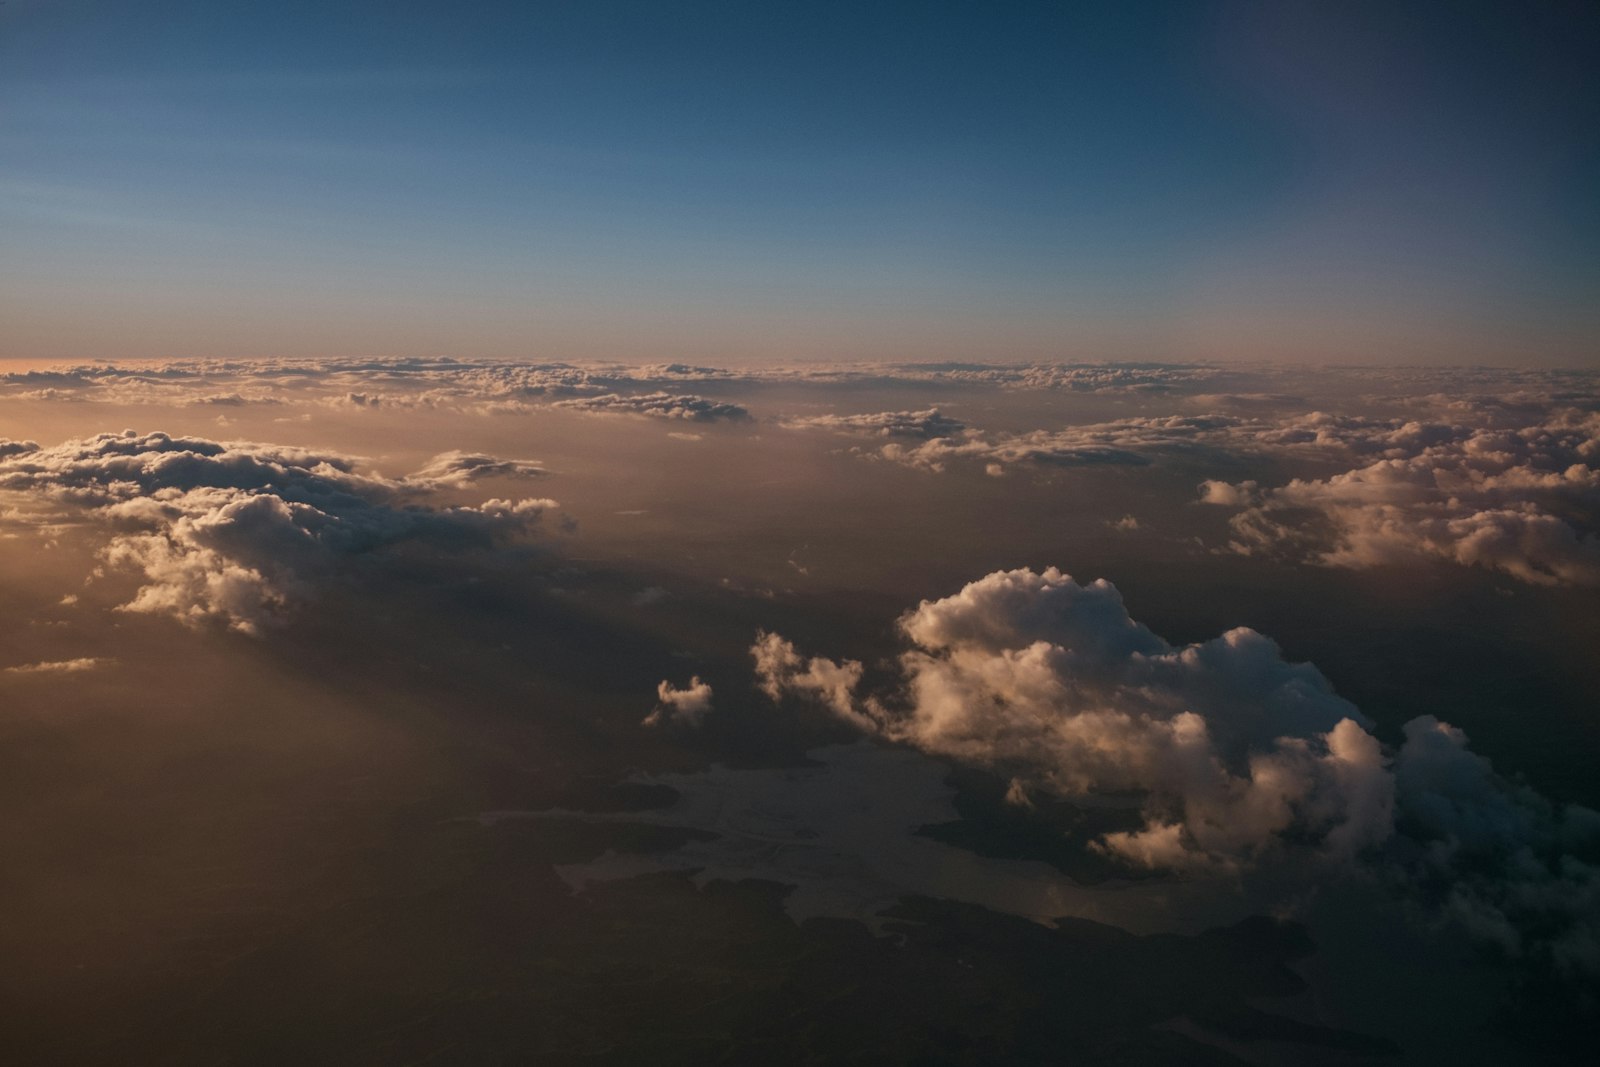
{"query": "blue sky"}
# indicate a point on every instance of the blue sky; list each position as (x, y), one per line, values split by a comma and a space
(800, 181)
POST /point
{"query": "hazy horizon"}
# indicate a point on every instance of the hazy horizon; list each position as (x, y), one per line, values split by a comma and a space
(719, 181)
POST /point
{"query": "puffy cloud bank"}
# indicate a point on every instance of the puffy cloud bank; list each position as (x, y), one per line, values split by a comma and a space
(1237, 759)
(234, 532)
(355, 384)
(456, 470)
(1522, 499)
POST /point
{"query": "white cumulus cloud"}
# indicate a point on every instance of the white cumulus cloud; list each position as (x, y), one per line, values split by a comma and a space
(1235, 757)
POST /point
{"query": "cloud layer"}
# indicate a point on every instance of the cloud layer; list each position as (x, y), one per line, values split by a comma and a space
(657, 406)
(1521, 499)
(925, 425)
(1491, 469)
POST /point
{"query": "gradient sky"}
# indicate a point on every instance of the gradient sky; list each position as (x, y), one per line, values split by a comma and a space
(731, 181)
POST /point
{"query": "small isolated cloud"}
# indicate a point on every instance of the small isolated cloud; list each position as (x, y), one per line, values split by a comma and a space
(781, 669)
(457, 470)
(683, 707)
(1228, 495)
(64, 666)
(1126, 524)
